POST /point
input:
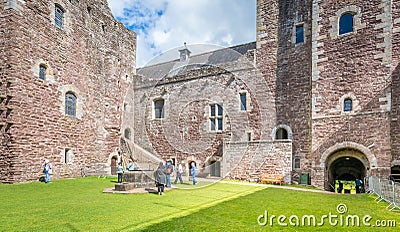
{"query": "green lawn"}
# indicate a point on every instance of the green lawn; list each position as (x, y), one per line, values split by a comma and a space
(80, 205)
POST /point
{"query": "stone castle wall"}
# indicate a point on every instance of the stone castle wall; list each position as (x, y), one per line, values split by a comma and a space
(92, 56)
(184, 133)
(355, 65)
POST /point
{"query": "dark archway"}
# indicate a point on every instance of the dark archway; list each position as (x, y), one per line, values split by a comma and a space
(395, 173)
(346, 165)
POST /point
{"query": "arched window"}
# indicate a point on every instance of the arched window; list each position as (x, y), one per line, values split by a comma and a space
(281, 133)
(127, 134)
(59, 16)
(159, 108)
(70, 104)
(346, 23)
(347, 105)
(42, 72)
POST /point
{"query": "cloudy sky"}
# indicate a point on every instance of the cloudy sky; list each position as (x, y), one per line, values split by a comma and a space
(162, 25)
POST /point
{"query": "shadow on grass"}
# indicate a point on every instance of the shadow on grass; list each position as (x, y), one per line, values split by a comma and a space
(242, 213)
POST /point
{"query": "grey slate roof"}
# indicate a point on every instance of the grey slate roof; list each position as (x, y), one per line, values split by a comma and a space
(216, 57)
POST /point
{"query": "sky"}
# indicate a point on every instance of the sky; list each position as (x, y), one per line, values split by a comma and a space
(163, 25)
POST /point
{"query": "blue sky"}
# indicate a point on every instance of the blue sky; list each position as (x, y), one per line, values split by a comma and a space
(162, 25)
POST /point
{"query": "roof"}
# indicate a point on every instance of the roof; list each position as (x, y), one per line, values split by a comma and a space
(212, 58)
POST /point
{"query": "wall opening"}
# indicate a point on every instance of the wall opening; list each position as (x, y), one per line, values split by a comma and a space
(345, 165)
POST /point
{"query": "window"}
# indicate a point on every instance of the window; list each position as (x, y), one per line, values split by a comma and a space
(42, 72)
(296, 162)
(347, 105)
(127, 134)
(159, 108)
(67, 155)
(346, 23)
(249, 136)
(216, 116)
(299, 34)
(243, 104)
(281, 133)
(70, 104)
(59, 16)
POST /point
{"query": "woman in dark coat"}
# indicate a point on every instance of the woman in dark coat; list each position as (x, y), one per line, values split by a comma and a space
(160, 178)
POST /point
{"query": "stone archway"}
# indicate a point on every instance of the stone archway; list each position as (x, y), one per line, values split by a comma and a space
(346, 161)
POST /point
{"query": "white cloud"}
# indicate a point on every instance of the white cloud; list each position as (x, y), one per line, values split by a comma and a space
(162, 25)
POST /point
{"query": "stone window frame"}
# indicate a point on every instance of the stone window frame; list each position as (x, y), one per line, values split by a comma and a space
(282, 126)
(153, 107)
(79, 101)
(66, 16)
(67, 156)
(216, 117)
(334, 21)
(36, 71)
(294, 34)
(355, 103)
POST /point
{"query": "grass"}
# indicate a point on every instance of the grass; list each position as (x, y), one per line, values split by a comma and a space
(80, 205)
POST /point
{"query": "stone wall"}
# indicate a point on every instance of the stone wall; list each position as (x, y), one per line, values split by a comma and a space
(92, 56)
(355, 65)
(184, 133)
(249, 160)
(395, 123)
(293, 89)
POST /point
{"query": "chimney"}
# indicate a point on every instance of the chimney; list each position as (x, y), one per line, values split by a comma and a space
(184, 53)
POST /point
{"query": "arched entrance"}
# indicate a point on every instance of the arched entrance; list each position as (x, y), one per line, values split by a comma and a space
(346, 164)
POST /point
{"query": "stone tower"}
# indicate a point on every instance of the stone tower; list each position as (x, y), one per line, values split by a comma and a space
(333, 69)
(65, 66)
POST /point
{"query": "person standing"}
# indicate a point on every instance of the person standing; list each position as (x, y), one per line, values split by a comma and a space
(47, 170)
(120, 172)
(340, 188)
(169, 168)
(358, 183)
(179, 172)
(193, 172)
(160, 178)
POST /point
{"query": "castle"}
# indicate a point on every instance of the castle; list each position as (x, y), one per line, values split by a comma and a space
(315, 97)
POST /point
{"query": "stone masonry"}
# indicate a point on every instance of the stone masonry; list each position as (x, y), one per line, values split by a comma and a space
(91, 55)
(297, 92)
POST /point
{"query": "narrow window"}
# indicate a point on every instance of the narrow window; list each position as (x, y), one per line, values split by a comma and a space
(299, 34)
(42, 72)
(67, 158)
(281, 134)
(70, 104)
(127, 134)
(59, 16)
(346, 23)
(243, 104)
(216, 117)
(347, 105)
(296, 162)
(159, 108)
(249, 136)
